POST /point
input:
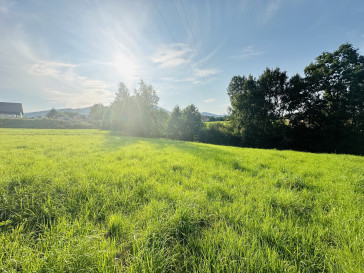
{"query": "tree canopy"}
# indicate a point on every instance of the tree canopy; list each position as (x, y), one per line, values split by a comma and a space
(322, 111)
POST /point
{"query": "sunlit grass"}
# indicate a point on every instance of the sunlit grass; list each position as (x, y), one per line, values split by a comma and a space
(91, 201)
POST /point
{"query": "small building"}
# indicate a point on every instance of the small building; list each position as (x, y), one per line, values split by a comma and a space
(11, 108)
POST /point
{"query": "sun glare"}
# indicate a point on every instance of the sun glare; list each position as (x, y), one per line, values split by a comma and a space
(126, 67)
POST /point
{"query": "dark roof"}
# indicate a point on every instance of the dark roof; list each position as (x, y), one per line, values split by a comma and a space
(11, 108)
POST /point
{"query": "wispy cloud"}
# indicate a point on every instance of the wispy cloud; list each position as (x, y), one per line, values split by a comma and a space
(203, 73)
(210, 100)
(172, 55)
(273, 7)
(50, 69)
(5, 5)
(75, 100)
(29, 65)
(212, 53)
(62, 84)
(52, 81)
(265, 11)
(248, 53)
(175, 56)
(199, 76)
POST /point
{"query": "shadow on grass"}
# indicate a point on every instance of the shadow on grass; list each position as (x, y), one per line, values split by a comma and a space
(217, 154)
(114, 140)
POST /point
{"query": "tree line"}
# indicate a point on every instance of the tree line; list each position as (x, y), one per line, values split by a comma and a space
(138, 114)
(320, 112)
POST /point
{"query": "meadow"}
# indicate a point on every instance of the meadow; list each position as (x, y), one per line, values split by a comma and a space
(94, 201)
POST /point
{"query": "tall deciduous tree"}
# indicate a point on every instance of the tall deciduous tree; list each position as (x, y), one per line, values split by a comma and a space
(97, 114)
(174, 128)
(121, 109)
(136, 114)
(185, 124)
(145, 103)
(336, 103)
(257, 109)
(52, 113)
(191, 123)
(324, 111)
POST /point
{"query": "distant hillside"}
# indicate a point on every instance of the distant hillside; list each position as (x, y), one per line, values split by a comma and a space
(86, 111)
(81, 111)
(206, 114)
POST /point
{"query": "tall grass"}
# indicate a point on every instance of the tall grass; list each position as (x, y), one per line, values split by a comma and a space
(90, 201)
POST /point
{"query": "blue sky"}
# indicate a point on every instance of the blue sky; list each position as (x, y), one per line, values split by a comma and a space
(74, 53)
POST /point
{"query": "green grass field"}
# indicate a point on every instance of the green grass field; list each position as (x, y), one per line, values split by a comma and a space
(91, 201)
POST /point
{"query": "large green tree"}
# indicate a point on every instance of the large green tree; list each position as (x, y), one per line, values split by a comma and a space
(257, 108)
(335, 101)
(145, 104)
(52, 113)
(323, 111)
(185, 124)
(174, 128)
(97, 114)
(191, 123)
(121, 111)
(137, 113)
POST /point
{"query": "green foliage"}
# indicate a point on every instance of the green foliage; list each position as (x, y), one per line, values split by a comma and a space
(257, 110)
(212, 118)
(52, 113)
(45, 123)
(98, 115)
(185, 124)
(324, 111)
(191, 123)
(160, 123)
(92, 201)
(220, 133)
(336, 85)
(175, 124)
(137, 114)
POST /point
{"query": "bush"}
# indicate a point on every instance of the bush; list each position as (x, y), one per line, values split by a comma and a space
(45, 124)
(219, 133)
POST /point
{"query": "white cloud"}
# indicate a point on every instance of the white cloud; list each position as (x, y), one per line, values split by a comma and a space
(264, 11)
(225, 105)
(210, 100)
(5, 5)
(175, 55)
(248, 53)
(75, 100)
(273, 6)
(172, 55)
(63, 85)
(51, 69)
(203, 73)
(78, 61)
(199, 76)
(24, 72)
(212, 53)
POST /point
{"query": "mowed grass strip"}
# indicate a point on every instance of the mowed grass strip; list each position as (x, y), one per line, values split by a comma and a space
(93, 201)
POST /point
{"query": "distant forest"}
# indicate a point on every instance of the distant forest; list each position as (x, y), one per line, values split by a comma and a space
(320, 112)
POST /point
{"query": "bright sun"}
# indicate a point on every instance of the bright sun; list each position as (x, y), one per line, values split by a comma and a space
(126, 67)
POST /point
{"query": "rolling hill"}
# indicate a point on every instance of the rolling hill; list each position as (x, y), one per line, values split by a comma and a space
(82, 111)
